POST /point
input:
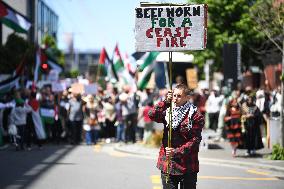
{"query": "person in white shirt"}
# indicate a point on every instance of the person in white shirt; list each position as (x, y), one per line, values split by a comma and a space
(213, 106)
(18, 117)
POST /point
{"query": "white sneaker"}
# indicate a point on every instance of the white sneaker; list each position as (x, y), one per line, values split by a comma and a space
(108, 140)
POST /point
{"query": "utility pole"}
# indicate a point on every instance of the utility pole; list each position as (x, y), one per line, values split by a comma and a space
(0, 33)
(282, 96)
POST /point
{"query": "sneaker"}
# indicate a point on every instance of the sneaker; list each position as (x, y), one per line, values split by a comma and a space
(247, 154)
(108, 140)
(234, 152)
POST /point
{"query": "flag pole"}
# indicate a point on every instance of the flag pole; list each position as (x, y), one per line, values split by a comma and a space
(170, 65)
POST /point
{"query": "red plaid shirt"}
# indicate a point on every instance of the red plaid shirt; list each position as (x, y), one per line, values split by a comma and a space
(185, 141)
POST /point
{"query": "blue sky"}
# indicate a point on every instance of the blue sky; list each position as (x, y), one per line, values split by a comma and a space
(97, 23)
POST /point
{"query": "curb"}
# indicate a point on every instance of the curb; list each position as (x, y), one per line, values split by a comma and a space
(116, 148)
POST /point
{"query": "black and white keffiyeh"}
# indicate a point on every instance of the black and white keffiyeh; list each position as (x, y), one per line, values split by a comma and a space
(178, 114)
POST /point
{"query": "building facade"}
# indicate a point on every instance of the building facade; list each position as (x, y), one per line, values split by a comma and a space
(81, 61)
(42, 18)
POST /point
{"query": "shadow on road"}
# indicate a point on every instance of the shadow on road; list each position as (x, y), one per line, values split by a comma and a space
(19, 169)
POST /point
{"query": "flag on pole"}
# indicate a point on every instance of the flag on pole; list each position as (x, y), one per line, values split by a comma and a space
(8, 84)
(103, 63)
(3, 10)
(130, 64)
(124, 77)
(13, 19)
(147, 64)
(54, 66)
(11, 82)
(37, 66)
(117, 62)
(41, 58)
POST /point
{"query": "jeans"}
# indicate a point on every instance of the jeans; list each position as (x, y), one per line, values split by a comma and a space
(92, 136)
(120, 134)
(187, 181)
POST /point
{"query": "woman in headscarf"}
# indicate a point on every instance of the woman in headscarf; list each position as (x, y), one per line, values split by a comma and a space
(252, 121)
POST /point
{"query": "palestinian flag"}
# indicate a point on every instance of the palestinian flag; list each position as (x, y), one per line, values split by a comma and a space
(117, 61)
(3, 10)
(41, 58)
(13, 19)
(124, 77)
(54, 66)
(130, 64)
(11, 82)
(147, 64)
(103, 63)
(37, 66)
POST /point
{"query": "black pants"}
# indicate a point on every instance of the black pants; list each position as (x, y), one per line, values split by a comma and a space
(56, 130)
(187, 181)
(130, 124)
(76, 131)
(213, 120)
(30, 135)
(21, 138)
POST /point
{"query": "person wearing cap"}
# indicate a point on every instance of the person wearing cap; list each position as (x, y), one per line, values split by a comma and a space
(179, 162)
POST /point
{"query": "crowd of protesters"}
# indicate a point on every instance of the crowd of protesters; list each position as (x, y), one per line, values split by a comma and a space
(240, 116)
(40, 116)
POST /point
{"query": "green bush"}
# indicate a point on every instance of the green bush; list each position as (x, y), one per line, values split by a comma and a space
(277, 152)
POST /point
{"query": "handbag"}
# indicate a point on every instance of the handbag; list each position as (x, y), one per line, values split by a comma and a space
(12, 129)
(92, 122)
(86, 127)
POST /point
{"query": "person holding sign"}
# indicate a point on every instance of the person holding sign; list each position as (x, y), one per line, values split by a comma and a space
(179, 163)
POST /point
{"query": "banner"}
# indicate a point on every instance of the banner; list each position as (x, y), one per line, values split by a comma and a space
(170, 28)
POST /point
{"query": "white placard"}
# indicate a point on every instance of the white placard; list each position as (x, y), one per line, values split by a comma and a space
(58, 87)
(170, 28)
(90, 89)
(47, 112)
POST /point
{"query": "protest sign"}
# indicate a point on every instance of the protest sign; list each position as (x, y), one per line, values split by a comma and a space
(90, 89)
(170, 28)
(58, 87)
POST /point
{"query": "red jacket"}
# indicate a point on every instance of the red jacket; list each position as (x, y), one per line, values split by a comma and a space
(185, 140)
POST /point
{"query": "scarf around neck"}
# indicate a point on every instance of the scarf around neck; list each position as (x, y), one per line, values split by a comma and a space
(178, 114)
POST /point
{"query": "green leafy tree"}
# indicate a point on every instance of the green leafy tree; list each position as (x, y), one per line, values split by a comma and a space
(13, 52)
(269, 16)
(52, 49)
(229, 22)
(72, 74)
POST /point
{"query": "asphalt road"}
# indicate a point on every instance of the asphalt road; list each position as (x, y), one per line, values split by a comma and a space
(100, 167)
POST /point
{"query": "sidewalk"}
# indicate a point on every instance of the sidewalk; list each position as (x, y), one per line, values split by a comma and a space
(218, 153)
